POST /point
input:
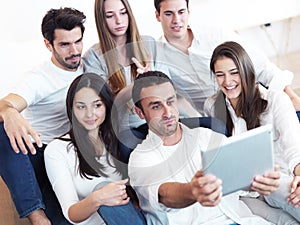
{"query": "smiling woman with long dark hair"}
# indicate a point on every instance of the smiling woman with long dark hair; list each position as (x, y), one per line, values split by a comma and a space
(83, 165)
(244, 104)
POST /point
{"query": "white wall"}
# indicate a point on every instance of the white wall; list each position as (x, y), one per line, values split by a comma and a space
(21, 41)
(22, 47)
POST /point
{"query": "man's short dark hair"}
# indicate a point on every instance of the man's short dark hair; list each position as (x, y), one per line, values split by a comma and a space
(148, 79)
(157, 4)
(62, 18)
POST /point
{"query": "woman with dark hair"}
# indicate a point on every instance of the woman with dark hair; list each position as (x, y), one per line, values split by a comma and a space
(83, 165)
(244, 104)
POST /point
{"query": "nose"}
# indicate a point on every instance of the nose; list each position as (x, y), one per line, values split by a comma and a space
(175, 18)
(89, 112)
(167, 111)
(74, 48)
(227, 79)
(118, 19)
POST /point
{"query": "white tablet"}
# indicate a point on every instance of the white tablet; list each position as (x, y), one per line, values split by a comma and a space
(241, 158)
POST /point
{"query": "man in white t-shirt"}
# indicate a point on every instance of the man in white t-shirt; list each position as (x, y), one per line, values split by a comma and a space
(165, 169)
(33, 114)
(187, 50)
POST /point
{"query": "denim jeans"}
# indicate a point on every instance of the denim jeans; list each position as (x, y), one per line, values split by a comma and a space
(298, 115)
(122, 214)
(130, 138)
(278, 199)
(277, 216)
(27, 181)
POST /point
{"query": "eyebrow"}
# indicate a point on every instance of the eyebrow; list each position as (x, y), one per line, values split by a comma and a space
(172, 11)
(66, 43)
(158, 102)
(96, 101)
(119, 10)
(229, 70)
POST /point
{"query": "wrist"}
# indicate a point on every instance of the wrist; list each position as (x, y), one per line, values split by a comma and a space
(296, 171)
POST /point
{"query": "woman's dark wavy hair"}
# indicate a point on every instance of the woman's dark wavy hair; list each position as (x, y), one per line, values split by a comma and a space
(250, 104)
(83, 145)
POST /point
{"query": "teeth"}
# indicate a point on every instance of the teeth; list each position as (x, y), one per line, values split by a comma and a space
(230, 88)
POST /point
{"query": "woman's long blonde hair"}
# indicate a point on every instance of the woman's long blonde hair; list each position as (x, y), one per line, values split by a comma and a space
(134, 46)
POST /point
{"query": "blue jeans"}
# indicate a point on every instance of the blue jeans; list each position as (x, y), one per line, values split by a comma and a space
(27, 181)
(298, 115)
(122, 214)
(130, 138)
(278, 199)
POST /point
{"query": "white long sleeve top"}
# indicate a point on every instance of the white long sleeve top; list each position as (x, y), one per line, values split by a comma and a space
(68, 185)
(191, 73)
(286, 128)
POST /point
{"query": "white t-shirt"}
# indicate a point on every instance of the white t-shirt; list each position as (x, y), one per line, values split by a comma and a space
(44, 90)
(68, 185)
(152, 164)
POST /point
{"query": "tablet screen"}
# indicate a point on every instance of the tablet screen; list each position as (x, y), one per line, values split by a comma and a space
(241, 158)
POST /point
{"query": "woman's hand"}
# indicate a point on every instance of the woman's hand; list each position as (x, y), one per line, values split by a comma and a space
(113, 193)
(140, 68)
(294, 197)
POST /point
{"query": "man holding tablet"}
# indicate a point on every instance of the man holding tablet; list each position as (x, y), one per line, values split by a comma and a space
(165, 169)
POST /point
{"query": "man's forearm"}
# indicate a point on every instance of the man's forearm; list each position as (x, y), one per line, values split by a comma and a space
(176, 195)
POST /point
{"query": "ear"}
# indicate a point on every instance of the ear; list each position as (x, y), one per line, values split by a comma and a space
(48, 45)
(139, 112)
(157, 16)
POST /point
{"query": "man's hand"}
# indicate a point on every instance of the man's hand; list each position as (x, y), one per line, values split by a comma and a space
(19, 131)
(267, 183)
(207, 190)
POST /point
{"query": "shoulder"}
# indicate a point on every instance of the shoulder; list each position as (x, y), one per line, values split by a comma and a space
(210, 32)
(93, 50)
(209, 105)
(56, 148)
(147, 38)
(273, 95)
(147, 152)
(140, 153)
(202, 137)
(149, 42)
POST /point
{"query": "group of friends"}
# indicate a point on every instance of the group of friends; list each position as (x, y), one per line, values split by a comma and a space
(114, 135)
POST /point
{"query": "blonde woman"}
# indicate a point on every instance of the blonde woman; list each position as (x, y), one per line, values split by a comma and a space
(121, 54)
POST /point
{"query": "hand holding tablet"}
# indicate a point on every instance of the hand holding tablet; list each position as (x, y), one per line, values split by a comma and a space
(241, 158)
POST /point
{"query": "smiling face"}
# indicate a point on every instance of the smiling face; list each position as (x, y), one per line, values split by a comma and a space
(228, 78)
(174, 16)
(89, 110)
(116, 17)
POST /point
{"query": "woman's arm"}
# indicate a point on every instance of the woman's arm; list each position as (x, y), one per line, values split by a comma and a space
(58, 163)
(111, 194)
